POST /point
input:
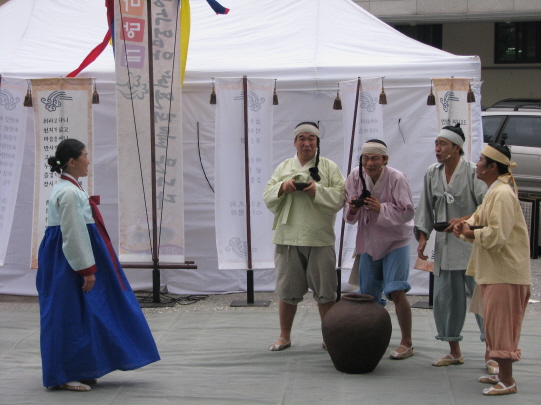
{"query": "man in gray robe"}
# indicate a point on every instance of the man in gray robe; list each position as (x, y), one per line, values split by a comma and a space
(451, 193)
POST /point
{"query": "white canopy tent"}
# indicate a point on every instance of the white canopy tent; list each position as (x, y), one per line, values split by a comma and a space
(307, 45)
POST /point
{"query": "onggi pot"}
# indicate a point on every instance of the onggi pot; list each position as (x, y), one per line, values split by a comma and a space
(356, 331)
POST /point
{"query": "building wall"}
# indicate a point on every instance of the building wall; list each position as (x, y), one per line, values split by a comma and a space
(468, 29)
(499, 80)
(462, 9)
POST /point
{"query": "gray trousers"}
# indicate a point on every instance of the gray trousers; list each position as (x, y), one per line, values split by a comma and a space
(450, 304)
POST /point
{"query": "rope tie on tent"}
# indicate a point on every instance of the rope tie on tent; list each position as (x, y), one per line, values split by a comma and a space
(471, 96)
(213, 94)
(382, 96)
(95, 95)
(275, 95)
(431, 100)
(28, 97)
(337, 102)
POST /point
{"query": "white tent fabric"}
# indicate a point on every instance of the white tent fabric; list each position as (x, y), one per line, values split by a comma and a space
(307, 45)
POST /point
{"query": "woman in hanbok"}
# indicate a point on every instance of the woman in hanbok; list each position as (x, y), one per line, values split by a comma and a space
(91, 322)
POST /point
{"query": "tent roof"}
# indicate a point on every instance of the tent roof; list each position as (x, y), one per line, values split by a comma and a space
(306, 44)
(311, 41)
(50, 38)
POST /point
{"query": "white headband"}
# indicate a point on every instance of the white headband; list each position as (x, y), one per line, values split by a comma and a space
(452, 136)
(306, 128)
(375, 148)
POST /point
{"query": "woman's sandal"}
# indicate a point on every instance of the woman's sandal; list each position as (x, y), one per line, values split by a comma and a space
(489, 379)
(512, 389)
(74, 386)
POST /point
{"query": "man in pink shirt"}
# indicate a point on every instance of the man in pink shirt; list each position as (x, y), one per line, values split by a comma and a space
(379, 200)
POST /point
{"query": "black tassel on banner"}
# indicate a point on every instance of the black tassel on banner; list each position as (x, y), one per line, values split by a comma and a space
(337, 102)
(28, 97)
(213, 94)
(275, 95)
(431, 100)
(382, 96)
(95, 95)
(471, 96)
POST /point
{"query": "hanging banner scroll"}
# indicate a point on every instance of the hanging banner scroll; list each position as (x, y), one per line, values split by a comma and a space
(12, 135)
(62, 110)
(230, 206)
(368, 125)
(453, 108)
(134, 130)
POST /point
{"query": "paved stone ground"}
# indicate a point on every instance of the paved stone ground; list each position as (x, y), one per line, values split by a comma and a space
(222, 302)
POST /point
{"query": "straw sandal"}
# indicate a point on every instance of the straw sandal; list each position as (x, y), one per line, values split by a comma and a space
(74, 386)
(492, 370)
(90, 381)
(275, 347)
(402, 355)
(448, 361)
(490, 379)
(512, 389)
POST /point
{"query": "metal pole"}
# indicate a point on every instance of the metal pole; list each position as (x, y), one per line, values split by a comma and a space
(155, 254)
(250, 272)
(352, 142)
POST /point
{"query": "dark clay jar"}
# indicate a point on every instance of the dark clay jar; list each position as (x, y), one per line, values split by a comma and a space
(357, 332)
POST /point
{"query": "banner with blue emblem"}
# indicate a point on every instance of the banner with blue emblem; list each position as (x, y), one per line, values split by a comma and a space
(62, 110)
(12, 136)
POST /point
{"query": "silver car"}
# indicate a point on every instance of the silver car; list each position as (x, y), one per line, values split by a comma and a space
(521, 129)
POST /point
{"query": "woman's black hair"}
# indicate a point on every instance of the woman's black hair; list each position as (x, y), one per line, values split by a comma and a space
(67, 149)
(314, 171)
(502, 148)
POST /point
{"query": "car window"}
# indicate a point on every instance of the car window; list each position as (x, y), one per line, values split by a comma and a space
(491, 125)
(522, 131)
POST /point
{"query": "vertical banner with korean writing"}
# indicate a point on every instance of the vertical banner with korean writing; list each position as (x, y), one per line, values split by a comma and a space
(453, 108)
(230, 206)
(134, 117)
(12, 134)
(62, 109)
(368, 125)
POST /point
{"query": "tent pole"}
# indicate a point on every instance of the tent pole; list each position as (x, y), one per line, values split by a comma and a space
(250, 272)
(155, 255)
(343, 227)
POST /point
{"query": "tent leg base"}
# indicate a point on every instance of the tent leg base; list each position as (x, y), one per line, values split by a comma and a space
(245, 303)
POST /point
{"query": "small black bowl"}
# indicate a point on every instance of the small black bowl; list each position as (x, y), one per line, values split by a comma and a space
(301, 186)
(358, 202)
(440, 226)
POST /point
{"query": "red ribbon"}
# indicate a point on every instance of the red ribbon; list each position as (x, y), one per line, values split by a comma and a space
(91, 57)
(98, 219)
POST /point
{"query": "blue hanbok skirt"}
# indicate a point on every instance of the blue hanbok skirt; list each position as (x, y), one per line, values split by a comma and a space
(87, 335)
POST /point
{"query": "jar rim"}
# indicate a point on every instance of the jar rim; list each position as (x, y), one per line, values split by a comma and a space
(358, 297)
